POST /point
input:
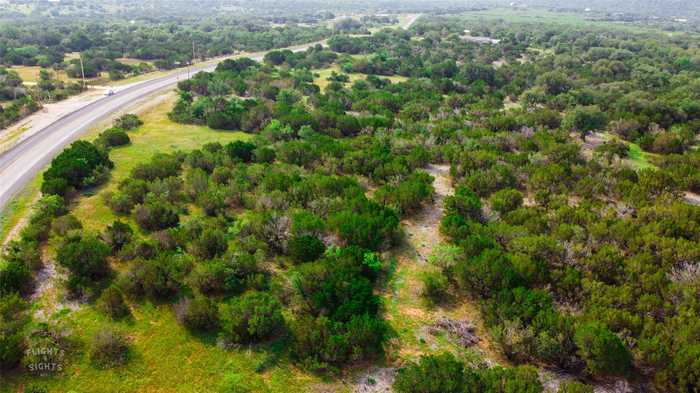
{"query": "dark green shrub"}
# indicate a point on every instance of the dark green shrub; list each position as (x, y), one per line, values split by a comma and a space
(240, 150)
(305, 248)
(15, 277)
(211, 243)
(111, 302)
(320, 344)
(435, 287)
(155, 216)
(73, 167)
(584, 119)
(684, 369)
(487, 273)
(434, 374)
(574, 387)
(408, 195)
(464, 203)
(252, 317)
(198, 314)
(108, 349)
(48, 207)
(13, 318)
(366, 224)
(36, 231)
(128, 122)
(113, 137)
(118, 235)
(443, 373)
(160, 167)
(63, 225)
(25, 252)
(85, 257)
(230, 274)
(214, 277)
(264, 155)
(521, 379)
(601, 350)
(507, 200)
(160, 278)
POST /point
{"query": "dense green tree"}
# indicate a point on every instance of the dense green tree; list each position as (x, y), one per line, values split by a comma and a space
(603, 352)
(74, 167)
(464, 203)
(111, 302)
(585, 119)
(305, 248)
(505, 201)
(86, 259)
(252, 317)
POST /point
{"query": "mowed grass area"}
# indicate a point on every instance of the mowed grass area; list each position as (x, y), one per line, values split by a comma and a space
(165, 357)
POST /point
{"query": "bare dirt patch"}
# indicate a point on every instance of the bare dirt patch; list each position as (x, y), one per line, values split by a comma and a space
(21, 223)
(48, 292)
(462, 331)
(590, 143)
(408, 313)
(376, 380)
(423, 230)
(692, 198)
(553, 379)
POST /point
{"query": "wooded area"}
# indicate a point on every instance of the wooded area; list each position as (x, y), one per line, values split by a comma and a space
(571, 149)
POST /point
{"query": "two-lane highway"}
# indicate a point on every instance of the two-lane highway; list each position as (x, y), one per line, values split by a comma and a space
(23, 161)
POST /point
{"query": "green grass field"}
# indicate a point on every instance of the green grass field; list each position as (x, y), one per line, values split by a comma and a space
(322, 79)
(638, 158)
(164, 357)
(18, 209)
(158, 134)
(542, 16)
(528, 15)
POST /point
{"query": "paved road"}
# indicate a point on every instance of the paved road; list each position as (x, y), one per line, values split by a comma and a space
(411, 21)
(23, 161)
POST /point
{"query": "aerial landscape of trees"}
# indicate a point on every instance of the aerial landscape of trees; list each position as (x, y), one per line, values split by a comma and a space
(572, 228)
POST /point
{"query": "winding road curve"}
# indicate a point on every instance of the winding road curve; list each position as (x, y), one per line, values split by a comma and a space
(22, 162)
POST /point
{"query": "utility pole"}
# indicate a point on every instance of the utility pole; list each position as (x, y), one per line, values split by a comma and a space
(192, 62)
(82, 70)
